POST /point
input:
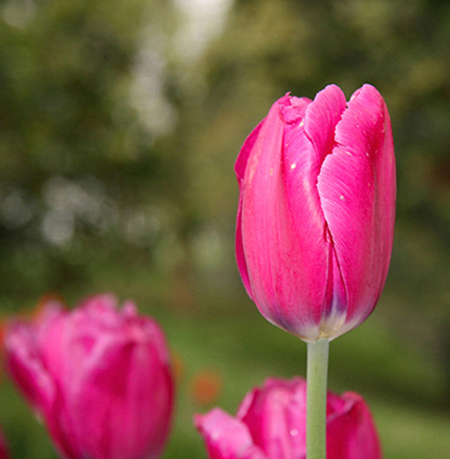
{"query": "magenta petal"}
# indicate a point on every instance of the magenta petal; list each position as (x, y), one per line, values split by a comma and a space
(357, 191)
(29, 373)
(226, 437)
(240, 170)
(240, 167)
(257, 172)
(246, 163)
(351, 431)
(106, 303)
(31, 367)
(310, 254)
(242, 159)
(269, 247)
(134, 384)
(276, 417)
(321, 119)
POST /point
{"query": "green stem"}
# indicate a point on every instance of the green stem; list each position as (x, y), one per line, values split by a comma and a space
(316, 402)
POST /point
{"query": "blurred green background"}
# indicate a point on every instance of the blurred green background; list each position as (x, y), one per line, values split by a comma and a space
(120, 122)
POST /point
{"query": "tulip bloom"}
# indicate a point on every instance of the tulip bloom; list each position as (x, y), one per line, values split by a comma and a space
(98, 376)
(271, 421)
(316, 211)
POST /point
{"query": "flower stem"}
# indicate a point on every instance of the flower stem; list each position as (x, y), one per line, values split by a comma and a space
(316, 402)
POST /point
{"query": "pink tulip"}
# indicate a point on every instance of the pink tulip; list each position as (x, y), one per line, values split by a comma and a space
(98, 376)
(271, 424)
(316, 211)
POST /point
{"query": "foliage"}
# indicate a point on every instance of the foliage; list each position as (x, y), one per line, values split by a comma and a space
(77, 164)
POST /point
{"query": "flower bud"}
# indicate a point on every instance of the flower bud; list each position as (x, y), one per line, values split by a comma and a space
(271, 424)
(316, 211)
(98, 376)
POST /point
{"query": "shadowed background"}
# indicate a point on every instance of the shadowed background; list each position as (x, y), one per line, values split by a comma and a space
(120, 122)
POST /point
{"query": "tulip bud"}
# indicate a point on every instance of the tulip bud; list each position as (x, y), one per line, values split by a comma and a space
(98, 376)
(316, 211)
(271, 424)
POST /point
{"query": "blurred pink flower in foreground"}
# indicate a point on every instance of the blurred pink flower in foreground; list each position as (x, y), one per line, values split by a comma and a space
(316, 211)
(98, 376)
(271, 424)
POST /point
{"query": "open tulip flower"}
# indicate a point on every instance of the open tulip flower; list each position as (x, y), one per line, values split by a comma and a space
(271, 422)
(316, 211)
(98, 376)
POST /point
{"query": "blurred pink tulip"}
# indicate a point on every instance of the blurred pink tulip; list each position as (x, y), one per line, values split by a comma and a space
(316, 211)
(98, 376)
(271, 424)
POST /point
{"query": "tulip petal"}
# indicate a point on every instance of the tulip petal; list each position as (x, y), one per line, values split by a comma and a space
(246, 163)
(357, 191)
(247, 147)
(32, 365)
(321, 119)
(239, 168)
(258, 175)
(24, 342)
(23, 354)
(351, 431)
(226, 437)
(276, 417)
(134, 381)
